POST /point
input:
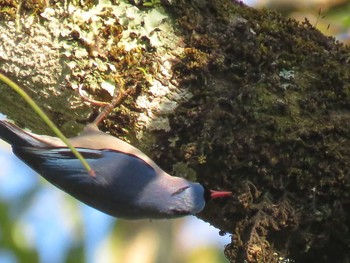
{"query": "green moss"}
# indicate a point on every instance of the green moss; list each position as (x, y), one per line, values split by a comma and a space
(8, 9)
(182, 170)
(269, 113)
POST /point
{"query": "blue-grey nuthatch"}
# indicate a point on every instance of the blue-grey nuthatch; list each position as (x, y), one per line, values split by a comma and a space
(127, 184)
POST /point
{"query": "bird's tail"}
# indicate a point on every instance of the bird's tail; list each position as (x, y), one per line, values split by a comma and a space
(18, 137)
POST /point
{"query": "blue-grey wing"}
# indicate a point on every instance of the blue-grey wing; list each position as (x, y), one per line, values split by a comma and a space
(119, 177)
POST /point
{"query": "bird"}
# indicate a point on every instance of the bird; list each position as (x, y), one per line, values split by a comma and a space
(127, 183)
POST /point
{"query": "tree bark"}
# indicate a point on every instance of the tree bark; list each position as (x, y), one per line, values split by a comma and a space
(232, 97)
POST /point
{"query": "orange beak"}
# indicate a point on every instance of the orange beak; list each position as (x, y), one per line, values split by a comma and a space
(219, 194)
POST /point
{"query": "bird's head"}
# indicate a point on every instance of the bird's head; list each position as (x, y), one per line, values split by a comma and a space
(188, 199)
(180, 198)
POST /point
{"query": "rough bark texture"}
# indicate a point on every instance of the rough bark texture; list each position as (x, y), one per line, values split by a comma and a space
(252, 103)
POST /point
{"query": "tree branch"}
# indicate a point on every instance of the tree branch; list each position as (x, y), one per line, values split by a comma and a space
(236, 98)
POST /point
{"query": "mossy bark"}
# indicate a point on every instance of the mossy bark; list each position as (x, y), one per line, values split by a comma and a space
(268, 118)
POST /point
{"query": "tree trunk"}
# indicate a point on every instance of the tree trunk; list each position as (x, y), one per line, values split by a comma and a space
(229, 96)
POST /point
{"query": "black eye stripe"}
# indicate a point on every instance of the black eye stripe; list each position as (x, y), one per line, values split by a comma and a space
(180, 190)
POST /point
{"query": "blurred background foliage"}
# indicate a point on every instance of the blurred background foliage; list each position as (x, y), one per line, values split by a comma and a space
(39, 223)
(331, 17)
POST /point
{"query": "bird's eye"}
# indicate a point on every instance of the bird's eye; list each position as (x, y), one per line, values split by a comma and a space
(180, 190)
